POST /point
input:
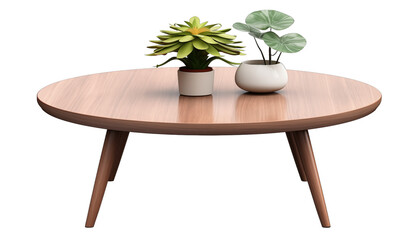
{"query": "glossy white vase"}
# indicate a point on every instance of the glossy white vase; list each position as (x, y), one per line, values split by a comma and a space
(254, 76)
(195, 82)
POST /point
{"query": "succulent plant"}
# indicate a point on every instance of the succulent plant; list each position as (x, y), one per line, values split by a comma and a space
(272, 20)
(194, 42)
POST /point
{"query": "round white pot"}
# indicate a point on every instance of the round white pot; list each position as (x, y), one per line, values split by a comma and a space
(195, 82)
(254, 76)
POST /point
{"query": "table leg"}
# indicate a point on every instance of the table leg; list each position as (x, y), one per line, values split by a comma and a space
(111, 153)
(296, 156)
(122, 140)
(303, 143)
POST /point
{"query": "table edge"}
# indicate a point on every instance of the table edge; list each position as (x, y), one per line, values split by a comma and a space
(208, 129)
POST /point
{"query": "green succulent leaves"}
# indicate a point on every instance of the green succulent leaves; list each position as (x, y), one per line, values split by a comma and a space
(289, 43)
(200, 44)
(193, 41)
(266, 19)
(186, 38)
(185, 50)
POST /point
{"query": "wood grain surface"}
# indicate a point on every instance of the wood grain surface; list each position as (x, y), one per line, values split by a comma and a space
(303, 143)
(147, 100)
(296, 155)
(111, 152)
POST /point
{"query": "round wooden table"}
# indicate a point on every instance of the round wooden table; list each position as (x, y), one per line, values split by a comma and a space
(147, 101)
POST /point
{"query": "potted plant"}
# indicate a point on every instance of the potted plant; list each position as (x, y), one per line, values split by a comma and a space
(267, 75)
(193, 42)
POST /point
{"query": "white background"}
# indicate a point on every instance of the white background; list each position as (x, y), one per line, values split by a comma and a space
(220, 187)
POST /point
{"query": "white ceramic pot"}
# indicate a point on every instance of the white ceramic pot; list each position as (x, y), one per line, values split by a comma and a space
(254, 76)
(195, 82)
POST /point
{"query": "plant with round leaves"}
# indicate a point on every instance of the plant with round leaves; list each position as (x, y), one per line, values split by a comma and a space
(194, 42)
(258, 21)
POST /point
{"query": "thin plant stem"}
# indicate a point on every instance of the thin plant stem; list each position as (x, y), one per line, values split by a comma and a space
(274, 54)
(269, 54)
(278, 57)
(260, 51)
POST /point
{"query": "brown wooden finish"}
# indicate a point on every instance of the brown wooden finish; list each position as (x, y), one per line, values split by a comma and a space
(119, 149)
(147, 100)
(110, 152)
(296, 155)
(303, 143)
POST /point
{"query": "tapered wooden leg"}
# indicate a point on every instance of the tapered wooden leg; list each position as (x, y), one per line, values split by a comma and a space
(110, 151)
(296, 156)
(303, 143)
(122, 140)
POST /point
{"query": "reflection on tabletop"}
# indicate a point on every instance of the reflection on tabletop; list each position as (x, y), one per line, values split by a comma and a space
(260, 107)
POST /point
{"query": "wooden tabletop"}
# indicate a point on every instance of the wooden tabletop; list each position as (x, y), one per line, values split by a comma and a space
(147, 100)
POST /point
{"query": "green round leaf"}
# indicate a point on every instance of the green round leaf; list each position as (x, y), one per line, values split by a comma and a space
(289, 43)
(265, 19)
(246, 28)
(242, 27)
(256, 34)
